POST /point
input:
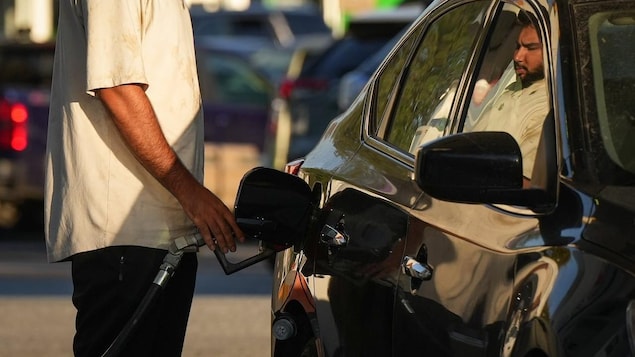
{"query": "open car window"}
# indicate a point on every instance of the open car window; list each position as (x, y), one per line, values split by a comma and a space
(509, 89)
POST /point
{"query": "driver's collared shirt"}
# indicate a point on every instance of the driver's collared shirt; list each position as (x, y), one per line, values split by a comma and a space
(521, 112)
(97, 193)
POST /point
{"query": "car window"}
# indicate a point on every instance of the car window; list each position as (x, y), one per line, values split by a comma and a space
(273, 62)
(262, 24)
(248, 27)
(612, 42)
(304, 24)
(509, 91)
(387, 80)
(227, 79)
(422, 101)
(29, 66)
(231, 24)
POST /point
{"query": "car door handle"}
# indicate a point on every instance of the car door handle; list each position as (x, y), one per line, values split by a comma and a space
(416, 269)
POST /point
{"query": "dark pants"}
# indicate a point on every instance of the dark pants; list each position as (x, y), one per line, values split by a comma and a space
(109, 284)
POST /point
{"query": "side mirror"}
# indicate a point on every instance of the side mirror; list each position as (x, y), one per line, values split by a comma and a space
(273, 207)
(475, 167)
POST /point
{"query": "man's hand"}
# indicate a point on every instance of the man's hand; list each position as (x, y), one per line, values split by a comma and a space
(134, 117)
(213, 219)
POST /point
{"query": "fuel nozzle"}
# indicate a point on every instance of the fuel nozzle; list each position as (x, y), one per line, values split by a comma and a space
(179, 246)
(255, 228)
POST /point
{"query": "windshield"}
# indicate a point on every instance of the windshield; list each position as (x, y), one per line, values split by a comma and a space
(26, 66)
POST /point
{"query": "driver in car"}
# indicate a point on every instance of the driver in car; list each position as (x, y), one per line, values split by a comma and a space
(522, 106)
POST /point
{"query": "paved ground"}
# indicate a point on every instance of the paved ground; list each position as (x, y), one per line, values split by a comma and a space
(230, 314)
(232, 326)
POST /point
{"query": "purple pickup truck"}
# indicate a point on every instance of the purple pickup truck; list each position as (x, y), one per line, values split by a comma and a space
(25, 79)
(236, 99)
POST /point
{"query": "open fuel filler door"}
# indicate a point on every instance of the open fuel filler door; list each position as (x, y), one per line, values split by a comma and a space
(272, 207)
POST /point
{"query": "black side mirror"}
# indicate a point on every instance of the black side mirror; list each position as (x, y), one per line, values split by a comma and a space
(475, 167)
(273, 207)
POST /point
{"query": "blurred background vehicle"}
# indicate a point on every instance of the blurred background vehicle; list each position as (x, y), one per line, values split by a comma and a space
(352, 83)
(236, 98)
(307, 98)
(25, 80)
(270, 60)
(266, 37)
(236, 101)
(279, 27)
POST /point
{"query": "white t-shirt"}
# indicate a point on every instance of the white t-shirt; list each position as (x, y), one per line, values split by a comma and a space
(97, 193)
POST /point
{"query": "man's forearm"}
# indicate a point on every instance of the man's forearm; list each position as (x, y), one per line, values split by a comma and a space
(134, 117)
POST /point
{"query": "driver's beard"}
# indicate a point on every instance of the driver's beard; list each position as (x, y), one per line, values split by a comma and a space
(532, 77)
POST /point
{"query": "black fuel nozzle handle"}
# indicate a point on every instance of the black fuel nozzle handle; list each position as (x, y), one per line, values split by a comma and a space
(230, 267)
(253, 228)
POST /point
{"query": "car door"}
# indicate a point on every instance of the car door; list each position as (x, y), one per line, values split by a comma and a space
(364, 219)
(458, 263)
(357, 270)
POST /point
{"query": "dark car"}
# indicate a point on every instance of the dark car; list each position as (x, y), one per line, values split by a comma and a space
(351, 83)
(236, 97)
(307, 99)
(271, 61)
(25, 80)
(407, 232)
(278, 27)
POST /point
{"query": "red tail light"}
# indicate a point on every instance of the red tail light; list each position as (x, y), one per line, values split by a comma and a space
(13, 126)
(289, 85)
(286, 87)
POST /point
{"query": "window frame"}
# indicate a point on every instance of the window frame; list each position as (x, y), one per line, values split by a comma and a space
(605, 168)
(429, 16)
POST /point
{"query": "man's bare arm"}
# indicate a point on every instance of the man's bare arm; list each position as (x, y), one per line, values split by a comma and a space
(135, 119)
